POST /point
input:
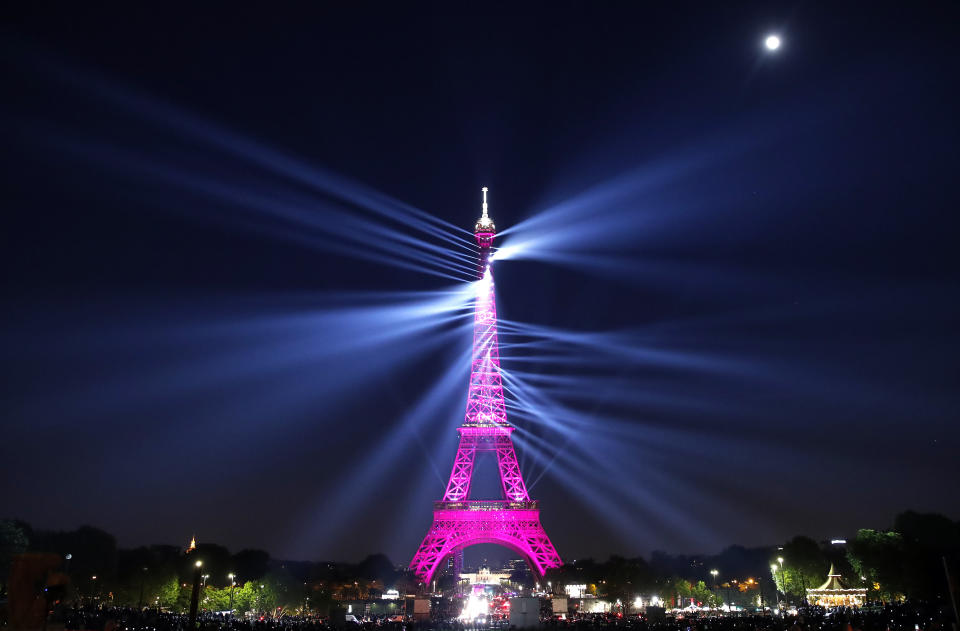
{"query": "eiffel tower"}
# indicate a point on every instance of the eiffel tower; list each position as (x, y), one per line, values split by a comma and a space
(514, 520)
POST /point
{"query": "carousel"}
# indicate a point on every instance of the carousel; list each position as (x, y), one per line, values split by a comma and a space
(834, 593)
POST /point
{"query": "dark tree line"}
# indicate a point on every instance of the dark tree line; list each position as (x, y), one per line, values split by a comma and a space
(160, 575)
(905, 560)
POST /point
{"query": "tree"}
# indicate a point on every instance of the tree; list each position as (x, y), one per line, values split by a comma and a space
(13, 541)
(377, 567)
(804, 566)
(927, 538)
(878, 556)
(93, 551)
(174, 596)
(215, 599)
(407, 582)
(245, 597)
(251, 564)
(217, 563)
(625, 578)
(676, 590)
(287, 590)
(702, 594)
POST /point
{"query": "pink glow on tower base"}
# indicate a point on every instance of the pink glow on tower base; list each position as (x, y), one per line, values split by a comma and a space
(456, 525)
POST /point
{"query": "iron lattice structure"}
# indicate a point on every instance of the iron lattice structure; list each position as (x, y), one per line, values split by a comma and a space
(458, 521)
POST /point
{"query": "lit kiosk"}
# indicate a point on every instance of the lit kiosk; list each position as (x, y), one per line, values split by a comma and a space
(834, 593)
(514, 520)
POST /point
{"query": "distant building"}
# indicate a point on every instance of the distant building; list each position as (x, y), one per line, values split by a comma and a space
(834, 593)
(575, 591)
(515, 565)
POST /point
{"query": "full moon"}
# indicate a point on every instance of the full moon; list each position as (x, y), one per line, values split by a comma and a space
(772, 42)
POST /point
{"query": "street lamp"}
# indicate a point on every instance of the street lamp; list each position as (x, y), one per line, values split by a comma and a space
(233, 586)
(195, 595)
(773, 571)
(783, 577)
(714, 573)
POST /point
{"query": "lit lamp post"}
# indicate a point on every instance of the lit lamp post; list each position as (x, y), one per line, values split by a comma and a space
(233, 586)
(783, 577)
(773, 571)
(195, 595)
(716, 586)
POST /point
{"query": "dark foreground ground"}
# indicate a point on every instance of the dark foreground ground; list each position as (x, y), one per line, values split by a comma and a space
(901, 617)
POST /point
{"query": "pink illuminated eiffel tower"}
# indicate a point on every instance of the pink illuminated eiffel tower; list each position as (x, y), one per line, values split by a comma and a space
(458, 521)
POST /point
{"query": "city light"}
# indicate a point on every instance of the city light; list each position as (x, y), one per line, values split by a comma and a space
(474, 608)
(772, 42)
(575, 591)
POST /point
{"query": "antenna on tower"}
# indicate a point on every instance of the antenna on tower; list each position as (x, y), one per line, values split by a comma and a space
(484, 189)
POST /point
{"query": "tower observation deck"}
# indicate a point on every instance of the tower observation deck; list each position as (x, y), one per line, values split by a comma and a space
(514, 520)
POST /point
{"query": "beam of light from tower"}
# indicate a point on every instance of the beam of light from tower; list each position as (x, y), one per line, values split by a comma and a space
(444, 396)
(194, 128)
(311, 220)
(292, 349)
(315, 194)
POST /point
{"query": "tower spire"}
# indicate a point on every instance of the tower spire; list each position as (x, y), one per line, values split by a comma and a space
(485, 189)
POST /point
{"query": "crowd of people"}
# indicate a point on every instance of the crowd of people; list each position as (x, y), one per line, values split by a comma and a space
(895, 617)
(898, 617)
(130, 619)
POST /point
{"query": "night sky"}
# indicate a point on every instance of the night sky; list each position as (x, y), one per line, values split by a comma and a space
(756, 253)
